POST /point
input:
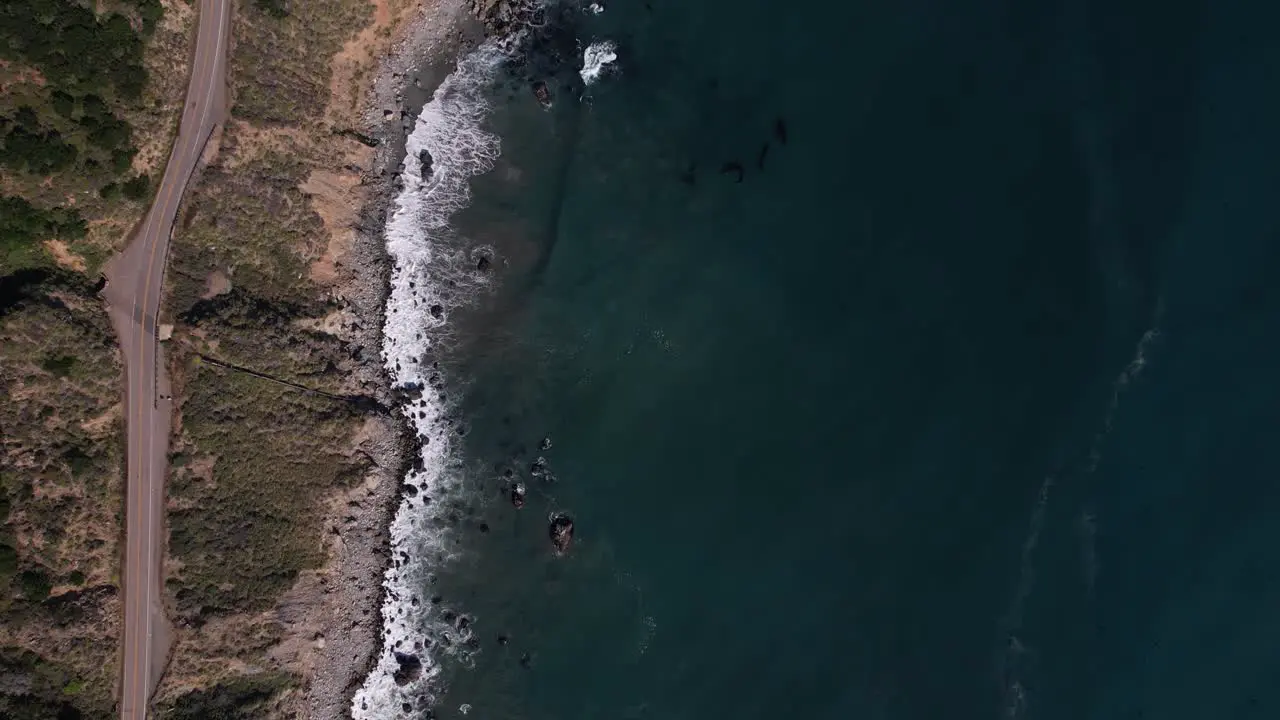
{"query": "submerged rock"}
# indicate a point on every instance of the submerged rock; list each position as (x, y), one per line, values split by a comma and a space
(561, 532)
(542, 93)
(410, 668)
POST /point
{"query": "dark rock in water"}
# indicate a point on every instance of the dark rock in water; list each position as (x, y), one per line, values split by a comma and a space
(538, 467)
(503, 640)
(517, 495)
(525, 661)
(449, 616)
(410, 668)
(411, 490)
(545, 444)
(435, 599)
(508, 472)
(732, 167)
(437, 311)
(425, 157)
(464, 622)
(484, 527)
(483, 263)
(542, 93)
(407, 707)
(561, 532)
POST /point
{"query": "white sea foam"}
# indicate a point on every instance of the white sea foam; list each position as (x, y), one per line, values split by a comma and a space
(597, 59)
(429, 270)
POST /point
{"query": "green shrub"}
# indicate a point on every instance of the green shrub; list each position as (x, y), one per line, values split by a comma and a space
(75, 49)
(137, 187)
(8, 561)
(63, 103)
(58, 365)
(122, 159)
(37, 150)
(35, 585)
(235, 699)
(78, 461)
(274, 8)
(23, 227)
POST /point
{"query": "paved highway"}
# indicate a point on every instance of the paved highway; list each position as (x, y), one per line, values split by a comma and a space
(134, 282)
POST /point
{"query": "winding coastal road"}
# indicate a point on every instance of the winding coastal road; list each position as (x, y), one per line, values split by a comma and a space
(133, 292)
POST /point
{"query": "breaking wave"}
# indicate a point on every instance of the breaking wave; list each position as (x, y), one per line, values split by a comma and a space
(432, 275)
(597, 59)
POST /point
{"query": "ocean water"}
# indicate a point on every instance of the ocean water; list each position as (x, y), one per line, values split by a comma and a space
(959, 404)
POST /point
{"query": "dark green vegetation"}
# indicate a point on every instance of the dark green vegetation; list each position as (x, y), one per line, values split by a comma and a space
(240, 698)
(78, 51)
(59, 498)
(48, 690)
(74, 71)
(274, 8)
(88, 62)
(23, 226)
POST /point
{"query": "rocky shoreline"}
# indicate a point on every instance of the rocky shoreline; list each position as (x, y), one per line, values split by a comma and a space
(357, 534)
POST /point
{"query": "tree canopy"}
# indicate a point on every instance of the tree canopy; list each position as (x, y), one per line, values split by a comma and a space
(76, 50)
(21, 223)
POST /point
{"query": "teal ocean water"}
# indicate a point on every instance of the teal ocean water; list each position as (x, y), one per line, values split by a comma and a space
(959, 404)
